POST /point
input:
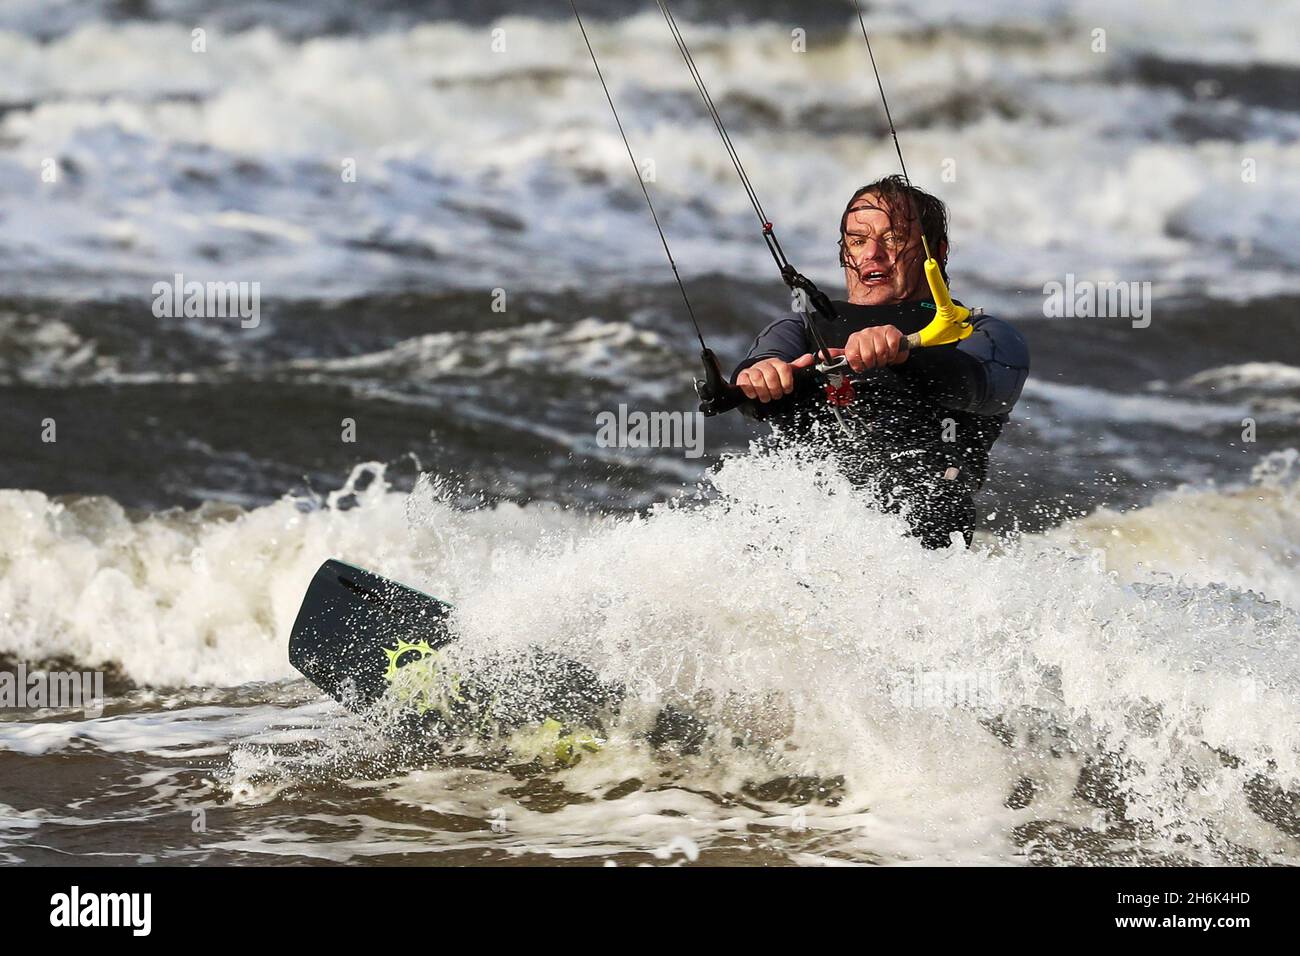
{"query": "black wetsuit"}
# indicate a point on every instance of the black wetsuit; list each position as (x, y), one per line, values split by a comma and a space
(922, 429)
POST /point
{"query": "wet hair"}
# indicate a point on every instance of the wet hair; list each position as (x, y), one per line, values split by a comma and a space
(910, 203)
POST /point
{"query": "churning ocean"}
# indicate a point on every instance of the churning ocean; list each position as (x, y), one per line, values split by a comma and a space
(1125, 635)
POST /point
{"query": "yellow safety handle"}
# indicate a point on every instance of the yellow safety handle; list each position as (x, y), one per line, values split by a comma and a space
(951, 321)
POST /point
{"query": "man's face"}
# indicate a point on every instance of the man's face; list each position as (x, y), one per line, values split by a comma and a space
(883, 254)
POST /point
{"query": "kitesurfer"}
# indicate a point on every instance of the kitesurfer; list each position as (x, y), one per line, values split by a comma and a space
(923, 421)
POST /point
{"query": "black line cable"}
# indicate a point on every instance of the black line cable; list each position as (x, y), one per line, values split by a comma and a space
(644, 191)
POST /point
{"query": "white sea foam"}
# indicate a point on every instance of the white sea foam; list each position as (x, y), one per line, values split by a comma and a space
(1247, 538)
(204, 597)
(761, 595)
(1259, 376)
(1094, 404)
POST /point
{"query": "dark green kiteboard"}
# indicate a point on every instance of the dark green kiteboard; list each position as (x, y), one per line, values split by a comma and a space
(364, 639)
(367, 641)
(348, 623)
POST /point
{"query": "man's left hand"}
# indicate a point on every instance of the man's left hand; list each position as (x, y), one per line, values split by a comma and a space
(875, 347)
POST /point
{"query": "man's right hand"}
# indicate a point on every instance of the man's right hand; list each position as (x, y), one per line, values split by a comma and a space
(772, 378)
